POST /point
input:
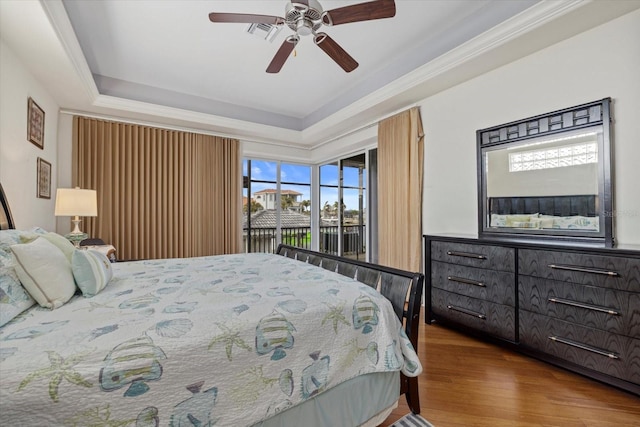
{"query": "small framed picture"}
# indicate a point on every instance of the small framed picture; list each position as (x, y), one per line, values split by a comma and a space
(35, 124)
(44, 179)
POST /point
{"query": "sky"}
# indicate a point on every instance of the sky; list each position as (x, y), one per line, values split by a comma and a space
(301, 174)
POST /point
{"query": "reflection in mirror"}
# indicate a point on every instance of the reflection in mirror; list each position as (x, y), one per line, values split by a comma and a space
(548, 183)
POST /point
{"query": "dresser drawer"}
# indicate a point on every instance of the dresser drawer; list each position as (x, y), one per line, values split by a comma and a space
(494, 319)
(483, 256)
(490, 285)
(596, 270)
(606, 309)
(611, 354)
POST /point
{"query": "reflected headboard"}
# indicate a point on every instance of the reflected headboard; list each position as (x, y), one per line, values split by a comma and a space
(6, 220)
(583, 205)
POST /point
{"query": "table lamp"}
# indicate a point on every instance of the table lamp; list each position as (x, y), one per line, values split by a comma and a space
(76, 202)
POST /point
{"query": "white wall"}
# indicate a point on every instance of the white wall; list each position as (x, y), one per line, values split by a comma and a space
(18, 156)
(602, 62)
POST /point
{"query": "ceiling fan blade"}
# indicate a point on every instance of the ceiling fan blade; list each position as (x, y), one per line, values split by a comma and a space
(245, 18)
(282, 54)
(378, 9)
(337, 53)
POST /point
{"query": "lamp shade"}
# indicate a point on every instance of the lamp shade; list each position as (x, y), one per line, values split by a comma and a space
(76, 202)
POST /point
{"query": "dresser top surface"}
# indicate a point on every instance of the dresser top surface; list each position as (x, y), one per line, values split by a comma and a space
(619, 250)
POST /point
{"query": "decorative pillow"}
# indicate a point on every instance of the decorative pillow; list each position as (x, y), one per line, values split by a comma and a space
(44, 272)
(92, 271)
(516, 219)
(546, 221)
(577, 223)
(107, 250)
(61, 243)
(13, 298)
(498, 220)
(534, 223)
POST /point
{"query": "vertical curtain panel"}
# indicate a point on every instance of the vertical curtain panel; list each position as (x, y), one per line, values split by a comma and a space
(161, 193)
(400, 175)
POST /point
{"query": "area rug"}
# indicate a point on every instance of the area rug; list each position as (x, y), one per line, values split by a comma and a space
(412, 420)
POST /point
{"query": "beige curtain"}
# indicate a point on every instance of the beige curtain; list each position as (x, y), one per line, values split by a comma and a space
(161, 193)
(400, 170)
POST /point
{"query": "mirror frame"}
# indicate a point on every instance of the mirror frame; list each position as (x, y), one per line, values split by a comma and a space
(591, 115)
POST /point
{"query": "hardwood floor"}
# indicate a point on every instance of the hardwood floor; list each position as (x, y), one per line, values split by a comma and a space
(467, 382)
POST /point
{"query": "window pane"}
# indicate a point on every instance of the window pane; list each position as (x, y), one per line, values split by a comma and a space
(295, 174)
(329, 174)
(263, 171)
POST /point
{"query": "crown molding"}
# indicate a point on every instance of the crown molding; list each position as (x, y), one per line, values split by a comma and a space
(57, 15)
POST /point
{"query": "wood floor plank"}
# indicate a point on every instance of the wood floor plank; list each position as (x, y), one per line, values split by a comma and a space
(469, 382)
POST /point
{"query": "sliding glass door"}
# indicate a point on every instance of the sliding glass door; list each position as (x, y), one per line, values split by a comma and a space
(343, 207)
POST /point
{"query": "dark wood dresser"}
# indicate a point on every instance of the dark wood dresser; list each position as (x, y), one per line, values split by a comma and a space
(576, 307)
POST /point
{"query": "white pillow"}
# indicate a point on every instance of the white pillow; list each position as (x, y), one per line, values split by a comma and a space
(92, 271)
(44, 272)
(62, 243)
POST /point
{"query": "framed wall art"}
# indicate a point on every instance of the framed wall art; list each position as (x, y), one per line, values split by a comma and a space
(44, 179)
(35, 123)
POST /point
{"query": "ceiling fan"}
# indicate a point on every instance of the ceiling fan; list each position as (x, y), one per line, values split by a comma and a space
(305, 17)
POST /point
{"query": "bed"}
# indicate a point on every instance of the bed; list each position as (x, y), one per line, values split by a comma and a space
(292, 338)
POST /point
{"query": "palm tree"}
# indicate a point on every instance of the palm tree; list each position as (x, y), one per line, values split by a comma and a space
(326, 209)
(287, 201)
(255, 207)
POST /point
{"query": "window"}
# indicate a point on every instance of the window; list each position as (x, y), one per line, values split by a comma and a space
(276, 205)
(554, 157)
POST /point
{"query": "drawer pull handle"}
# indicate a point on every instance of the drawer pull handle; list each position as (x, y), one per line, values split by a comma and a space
(592, 349)
(466, 255)
(583, 269)
(468, 312)
(583, 305)
(466, 281)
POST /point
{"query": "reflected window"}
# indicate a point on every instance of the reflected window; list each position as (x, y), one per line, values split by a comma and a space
(557, 157)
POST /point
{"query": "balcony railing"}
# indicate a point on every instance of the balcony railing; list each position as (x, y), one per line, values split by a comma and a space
(265, 239)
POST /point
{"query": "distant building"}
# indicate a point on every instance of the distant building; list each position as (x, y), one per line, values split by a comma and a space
(267, 198)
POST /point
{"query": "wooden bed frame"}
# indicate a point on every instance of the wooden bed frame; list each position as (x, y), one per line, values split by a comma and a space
(402, 288)
(6, 220)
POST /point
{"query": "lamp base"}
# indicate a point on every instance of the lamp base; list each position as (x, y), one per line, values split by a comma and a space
(76, 238)
(76, 225)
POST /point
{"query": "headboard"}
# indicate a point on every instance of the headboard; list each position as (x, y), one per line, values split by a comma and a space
(583, 205)
(6, 220)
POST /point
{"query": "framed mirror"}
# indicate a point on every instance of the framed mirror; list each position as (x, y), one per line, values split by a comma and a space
(548, 178)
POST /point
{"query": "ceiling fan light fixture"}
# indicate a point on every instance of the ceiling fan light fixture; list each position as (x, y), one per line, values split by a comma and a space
(267, 32)
(304, 27)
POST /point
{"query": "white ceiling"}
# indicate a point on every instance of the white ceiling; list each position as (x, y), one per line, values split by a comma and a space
(165, 62)
(168, 52)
